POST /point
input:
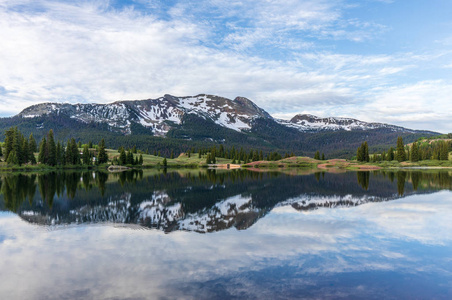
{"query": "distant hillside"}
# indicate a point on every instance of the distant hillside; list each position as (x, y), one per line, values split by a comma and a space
(202, 120)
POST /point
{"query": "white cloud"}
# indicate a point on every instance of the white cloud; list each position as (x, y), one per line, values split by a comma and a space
(89, 52)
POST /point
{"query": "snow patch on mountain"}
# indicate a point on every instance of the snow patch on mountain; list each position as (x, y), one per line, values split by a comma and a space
(310, 123)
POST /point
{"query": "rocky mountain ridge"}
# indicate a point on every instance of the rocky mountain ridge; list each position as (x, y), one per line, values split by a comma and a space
(164, 113)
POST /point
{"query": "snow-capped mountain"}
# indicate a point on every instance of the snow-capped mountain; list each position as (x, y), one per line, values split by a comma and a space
(158, 115)
(159, 213)
(310, 123)
(162, 114)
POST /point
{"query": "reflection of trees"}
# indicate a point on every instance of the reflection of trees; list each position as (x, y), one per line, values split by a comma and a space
(363, 179)
(16, 189)
(197, 192)
(415, 177)
(401, 177)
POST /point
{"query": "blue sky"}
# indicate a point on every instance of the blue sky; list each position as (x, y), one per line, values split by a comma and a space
(375, 60)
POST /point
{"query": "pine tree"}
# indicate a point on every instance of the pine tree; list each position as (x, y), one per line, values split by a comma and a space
(140, 160)
(25, 151)
(42, 156)
(208, 160)
(401, 155)
(68, 153)
(317, 155)
(32, 144)
(414, 152)
(366, 152)
(122, 157)
(165, 163)
(59, 154)
(51, 148)
(443, 151)
(85, 156)
(9, 136)
(129, 158)
(323, 156)
(75, 152)
(359, 153)
(391, 155)
(102, 156)
(172, 154)
(12, 158)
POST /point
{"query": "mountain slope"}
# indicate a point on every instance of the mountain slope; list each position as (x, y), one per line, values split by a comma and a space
(310, 123)
(203, 120)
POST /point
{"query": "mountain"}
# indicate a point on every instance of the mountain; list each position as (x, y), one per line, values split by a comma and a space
(310, 123)
(203, 120)
(157, 115)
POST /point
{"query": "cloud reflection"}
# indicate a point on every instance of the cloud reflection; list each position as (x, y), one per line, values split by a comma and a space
(105, 262)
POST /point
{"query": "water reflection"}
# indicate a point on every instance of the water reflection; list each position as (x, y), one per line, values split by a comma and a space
(379, 250)
(198, 200)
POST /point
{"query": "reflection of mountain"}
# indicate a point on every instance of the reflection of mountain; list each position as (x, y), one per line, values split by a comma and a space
(206, 202)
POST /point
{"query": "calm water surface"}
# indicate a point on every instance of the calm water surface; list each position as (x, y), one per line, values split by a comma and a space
(225, 235)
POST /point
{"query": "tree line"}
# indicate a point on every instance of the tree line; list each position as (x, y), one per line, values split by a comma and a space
(418, 151)
(19, 150)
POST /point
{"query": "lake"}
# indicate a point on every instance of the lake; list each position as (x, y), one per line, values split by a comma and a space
(212, 234)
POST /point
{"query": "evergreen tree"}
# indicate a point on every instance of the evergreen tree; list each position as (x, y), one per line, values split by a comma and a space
(9, 136)
(140, 160)
(42, 156)
(401, 155)
(323, 156)
(134, 149)
(25, 151)
(122, 157)
(443, 151)
(391, 155)
(208, 160)
(366, 152)
(414, 152)
(17, 145)
(165, 163)
(51, 148)
(68, 153)
(359, 153)
(85, 156)
(32, 144)
(59, 154)
(172, 154)
(75, 153)
(90, 144)
(317, 155)
(102, 156)
(129, 158)
(12, 158)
